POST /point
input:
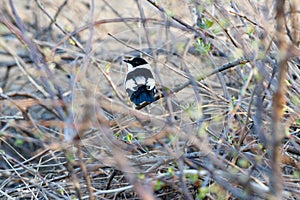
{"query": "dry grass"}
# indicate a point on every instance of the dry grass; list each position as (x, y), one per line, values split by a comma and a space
(225, 124)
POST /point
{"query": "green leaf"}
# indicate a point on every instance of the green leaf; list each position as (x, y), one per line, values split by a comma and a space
(141, 176)
(296, 174)
(158, 185)
(60, 191)
(192, 177)
(231, 103)
(201, 46)
(170, 171)
(72, 42)
(70, 157)
(208, 23)
(107, 68)
(250, 29)
(18, 142)
(243, 163)
(202, 193)
(298, 122)
(128, 138)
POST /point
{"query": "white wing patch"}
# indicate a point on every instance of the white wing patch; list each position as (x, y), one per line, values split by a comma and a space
(130, 84)
(150, 83)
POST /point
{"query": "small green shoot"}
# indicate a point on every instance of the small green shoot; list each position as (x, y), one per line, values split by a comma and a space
(202, 47)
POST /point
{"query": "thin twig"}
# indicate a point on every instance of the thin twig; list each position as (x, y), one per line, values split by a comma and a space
(53, 20)
(278, 103)
(120, 16)
(181, 22)
(184, 85)
(60, 8)
(142, 52)
(85, 172)
(120, 97)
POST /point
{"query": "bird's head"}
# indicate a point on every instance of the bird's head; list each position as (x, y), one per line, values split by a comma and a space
(136, 61)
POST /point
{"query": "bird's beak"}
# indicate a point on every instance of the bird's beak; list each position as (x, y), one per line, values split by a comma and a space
(127, 61)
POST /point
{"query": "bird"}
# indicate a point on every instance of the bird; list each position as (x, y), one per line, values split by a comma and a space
(139, 81)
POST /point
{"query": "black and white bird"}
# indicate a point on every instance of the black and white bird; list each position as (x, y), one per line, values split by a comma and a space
(139, 82)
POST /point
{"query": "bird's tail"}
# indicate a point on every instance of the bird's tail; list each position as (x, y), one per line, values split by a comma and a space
(143, 95)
